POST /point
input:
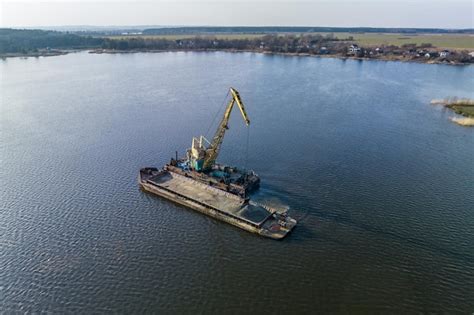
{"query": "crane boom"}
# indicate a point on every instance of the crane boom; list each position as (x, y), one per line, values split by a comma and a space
(213, 150)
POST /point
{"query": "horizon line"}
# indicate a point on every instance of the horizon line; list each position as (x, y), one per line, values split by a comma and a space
(223, 26)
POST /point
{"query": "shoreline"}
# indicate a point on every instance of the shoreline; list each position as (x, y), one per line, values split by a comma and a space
(41, 53)
(337, 56)
(33, 54)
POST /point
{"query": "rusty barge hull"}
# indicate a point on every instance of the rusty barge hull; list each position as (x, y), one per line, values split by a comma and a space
(216, 203)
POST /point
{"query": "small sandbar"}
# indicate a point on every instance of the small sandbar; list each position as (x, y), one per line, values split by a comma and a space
(461, 106)
(463, 121)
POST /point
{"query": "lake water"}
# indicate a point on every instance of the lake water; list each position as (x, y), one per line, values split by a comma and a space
(381, 182)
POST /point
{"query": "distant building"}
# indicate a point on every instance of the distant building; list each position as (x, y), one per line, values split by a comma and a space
(354, 49)
(471, 54)
(427, 55)
(444, 53)
(323, 50)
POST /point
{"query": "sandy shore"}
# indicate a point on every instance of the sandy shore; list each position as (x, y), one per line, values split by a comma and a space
(463, 121)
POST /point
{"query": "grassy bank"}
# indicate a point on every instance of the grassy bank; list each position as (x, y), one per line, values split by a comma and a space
(467, 111)
(461, 106)
(450, 41)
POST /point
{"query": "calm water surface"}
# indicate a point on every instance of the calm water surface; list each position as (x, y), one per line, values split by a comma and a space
(382, 184)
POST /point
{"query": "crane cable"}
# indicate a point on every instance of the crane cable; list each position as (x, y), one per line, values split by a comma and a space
(247, 148)
(248, 130)
(217, 113)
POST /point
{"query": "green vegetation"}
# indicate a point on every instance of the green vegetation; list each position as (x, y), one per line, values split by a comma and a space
(467, 111)
(27, 41)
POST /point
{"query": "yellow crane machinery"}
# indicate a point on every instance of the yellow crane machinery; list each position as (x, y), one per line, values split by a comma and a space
(202, 158)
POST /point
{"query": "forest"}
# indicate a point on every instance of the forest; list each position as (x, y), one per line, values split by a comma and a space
(25, 41)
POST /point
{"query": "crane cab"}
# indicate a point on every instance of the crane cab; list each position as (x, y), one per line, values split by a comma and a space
(197, 153)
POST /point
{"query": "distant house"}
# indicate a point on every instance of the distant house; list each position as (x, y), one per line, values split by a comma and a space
(410, 52)
(378, 50)
(444, 53)
(427, 55)
(471, 54)
(354, 49)
(323, 50)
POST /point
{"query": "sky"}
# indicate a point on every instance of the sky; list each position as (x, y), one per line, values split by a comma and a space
(346, 13)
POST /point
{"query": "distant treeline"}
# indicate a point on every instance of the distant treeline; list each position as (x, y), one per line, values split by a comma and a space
(273, 43)
(24, 41)
(283, 29)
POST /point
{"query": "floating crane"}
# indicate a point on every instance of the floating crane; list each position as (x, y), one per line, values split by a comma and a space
(202, 158)
(217, 190)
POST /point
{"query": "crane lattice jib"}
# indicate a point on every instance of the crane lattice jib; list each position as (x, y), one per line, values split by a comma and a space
(213, 151)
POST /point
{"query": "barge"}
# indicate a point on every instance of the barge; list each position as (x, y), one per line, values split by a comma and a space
(216, 203)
